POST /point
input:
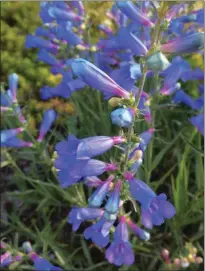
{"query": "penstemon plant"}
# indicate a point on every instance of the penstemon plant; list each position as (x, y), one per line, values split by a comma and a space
(147, 47)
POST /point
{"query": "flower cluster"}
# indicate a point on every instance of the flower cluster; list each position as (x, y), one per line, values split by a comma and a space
(9, 103)
(142, 48)
(187, 258)
(7, 258)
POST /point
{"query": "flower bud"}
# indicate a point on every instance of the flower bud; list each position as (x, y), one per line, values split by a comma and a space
(177, 261)
(114, 101)
(157, 62)
(123, 117)
(198, 260)
(190, 258)
(184, 262)
(137, 155)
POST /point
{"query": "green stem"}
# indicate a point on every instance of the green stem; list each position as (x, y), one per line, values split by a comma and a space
(131, 129)
(142, 82)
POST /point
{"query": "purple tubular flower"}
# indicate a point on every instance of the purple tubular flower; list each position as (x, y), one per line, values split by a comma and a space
(44, 56)
(174, 72)
(120, 251)
(126, 75)
(145, 138)
(78, 215)
(141, 234)
(6, 259)
(136, 165)
(198, 122)
(64, 89)
(63, 15)
(93, 181)
(48, 118)
(168, 91)
(196, 74)
(96, 78)
(43, 264)
(99, 232)
(4, 99)
(78, 5)
(113, 202)
(40, 31)
(96, 199)
(201, 89)
(8, 134)
(88, 147)
(96, 167)
(37, 42)
(17, 109)
(4, 108)
(130, 41)
(96, 145)
(68, 147)
(16, 143)
(159, 210)
(65, 33)
(13, 84)
(135, 14)
(141, 192)
(154, 208)
(123, 117)
(174, 10)
(70, 169)
(184, 44)
(106, 29)
(182, 97)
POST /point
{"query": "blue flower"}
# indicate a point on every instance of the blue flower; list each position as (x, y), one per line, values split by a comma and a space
(63, 15)
(198, 122)
(126, 75)
(78, 215)
(112, 204)
(96, 78)
(154, 208)
(93, 181)
(13, 85)
(97, 145)
(37, 42)
(65, 89)
(96, 199)
(159, 210)
(6, 259)
(88, 147)
(9, 139)
(65, 33)
(99, 232)
(134, 13)
(43, 264)
(78, 5)
(129, 40)
(174, 72)
(120, 251)
(7, 134)
(182, 97)
(184, 44)
(123, 117)
(44, 56)
(141, 192)
(72, 169)
(141, 234)
(48, 118)
(197, 74)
